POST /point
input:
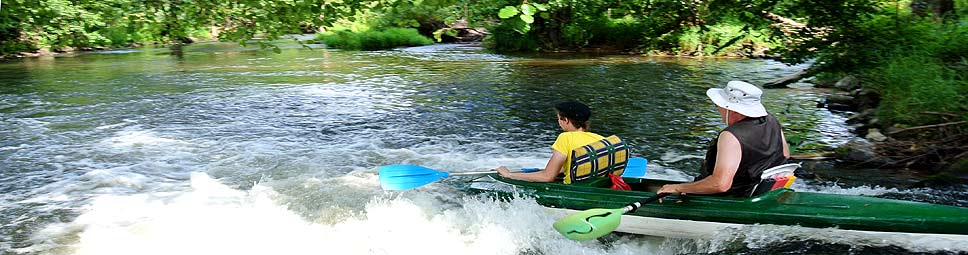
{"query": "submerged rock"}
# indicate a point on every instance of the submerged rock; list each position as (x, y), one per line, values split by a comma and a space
(857, 150)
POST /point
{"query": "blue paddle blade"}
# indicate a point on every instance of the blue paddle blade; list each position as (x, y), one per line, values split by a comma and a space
(404, 177)
(635, 168)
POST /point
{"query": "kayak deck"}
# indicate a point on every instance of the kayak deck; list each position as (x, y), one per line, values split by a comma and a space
(778, 207)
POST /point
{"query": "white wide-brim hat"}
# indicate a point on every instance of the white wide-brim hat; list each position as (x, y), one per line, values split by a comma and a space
(740, 97)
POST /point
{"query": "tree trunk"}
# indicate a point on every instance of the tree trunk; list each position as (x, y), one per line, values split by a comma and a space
(783, 81)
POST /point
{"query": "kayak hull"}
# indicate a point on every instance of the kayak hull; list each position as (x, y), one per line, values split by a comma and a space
(653, 226)
(697, 215)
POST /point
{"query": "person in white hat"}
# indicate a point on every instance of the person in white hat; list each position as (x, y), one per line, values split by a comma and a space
(751, 142)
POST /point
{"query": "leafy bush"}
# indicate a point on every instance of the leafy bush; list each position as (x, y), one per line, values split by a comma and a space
(916, 64)
(626, 32)
(677, 27)
(504, 38)
(426, 16)
(373, 39)
(913, 84)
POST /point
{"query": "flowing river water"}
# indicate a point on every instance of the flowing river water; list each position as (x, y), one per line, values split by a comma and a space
(231, 150)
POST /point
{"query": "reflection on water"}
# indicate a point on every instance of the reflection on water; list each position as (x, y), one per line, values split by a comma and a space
(139, 145)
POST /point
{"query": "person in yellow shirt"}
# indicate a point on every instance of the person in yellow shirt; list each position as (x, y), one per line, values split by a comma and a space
(573, 119)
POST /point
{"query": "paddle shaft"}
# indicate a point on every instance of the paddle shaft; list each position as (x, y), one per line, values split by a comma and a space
(471, 173)
(523, 170)
(635, 206)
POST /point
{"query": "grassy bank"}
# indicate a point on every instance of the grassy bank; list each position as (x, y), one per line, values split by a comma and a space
(374, 39)
(918, 67)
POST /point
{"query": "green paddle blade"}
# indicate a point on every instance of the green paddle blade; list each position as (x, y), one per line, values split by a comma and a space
(589, 224)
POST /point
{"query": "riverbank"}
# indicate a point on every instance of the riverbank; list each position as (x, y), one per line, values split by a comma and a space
(939, 148)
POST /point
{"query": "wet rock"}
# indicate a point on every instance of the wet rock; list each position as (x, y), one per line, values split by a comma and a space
(848, 83)
(864, 98)
(855, 100)
(874, 122)
(875, 135)
(64, 49)
(861, 117)
(471, 34)
(803, 173)
(840, 102)
(856, 150)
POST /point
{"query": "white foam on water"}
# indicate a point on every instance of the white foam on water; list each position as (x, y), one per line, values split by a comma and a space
(110, 126)
(213, 218)
(672, 157)
(656, 171)
(837, 189)
(136, 138)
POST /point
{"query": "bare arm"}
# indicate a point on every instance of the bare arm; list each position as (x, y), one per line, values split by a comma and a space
(728, 155)
(552, 169)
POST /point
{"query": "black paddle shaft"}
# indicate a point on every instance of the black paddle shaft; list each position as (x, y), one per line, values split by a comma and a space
(635, 206)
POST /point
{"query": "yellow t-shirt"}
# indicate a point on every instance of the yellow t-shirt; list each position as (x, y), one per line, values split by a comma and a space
(568, 141)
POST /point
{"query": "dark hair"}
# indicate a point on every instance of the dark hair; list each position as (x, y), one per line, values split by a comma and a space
(577, 112)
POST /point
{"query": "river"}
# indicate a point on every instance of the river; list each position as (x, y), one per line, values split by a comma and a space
(230, 150)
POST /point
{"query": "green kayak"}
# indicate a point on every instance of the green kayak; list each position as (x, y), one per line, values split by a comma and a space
(691, 215)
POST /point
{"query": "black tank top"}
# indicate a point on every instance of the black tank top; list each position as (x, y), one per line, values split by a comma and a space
(762, 145)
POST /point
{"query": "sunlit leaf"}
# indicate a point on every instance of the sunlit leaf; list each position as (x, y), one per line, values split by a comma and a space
(508, 12)
(527, 9)
(527, 18)
(438, 35)
(541, 7)
(521, 27)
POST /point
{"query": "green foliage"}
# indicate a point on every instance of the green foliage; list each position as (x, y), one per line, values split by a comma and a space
(917, 65)
(725, 38)
(54, 23)
(915, 83)
(625, 33)
(35, 24)
(681, 27)
(374, 39)
(426, 16)
(507, 12)
(438, 35)
(504, 38)
(520, 17)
